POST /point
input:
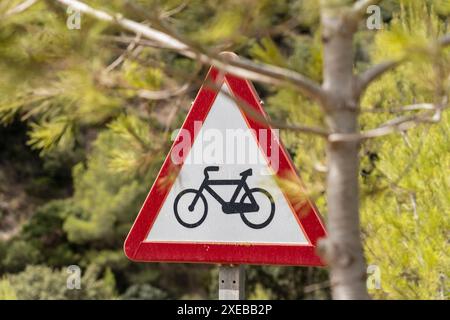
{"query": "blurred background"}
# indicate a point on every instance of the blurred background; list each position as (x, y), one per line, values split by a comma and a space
(86, 114)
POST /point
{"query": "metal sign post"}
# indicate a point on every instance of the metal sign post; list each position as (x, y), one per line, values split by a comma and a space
(231, 282)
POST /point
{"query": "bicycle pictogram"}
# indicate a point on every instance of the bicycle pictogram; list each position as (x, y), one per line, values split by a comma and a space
(190, 212)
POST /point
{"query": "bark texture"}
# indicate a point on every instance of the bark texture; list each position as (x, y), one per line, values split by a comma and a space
(343, 248)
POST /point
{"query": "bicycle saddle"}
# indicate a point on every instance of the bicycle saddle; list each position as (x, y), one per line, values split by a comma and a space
(246, 173)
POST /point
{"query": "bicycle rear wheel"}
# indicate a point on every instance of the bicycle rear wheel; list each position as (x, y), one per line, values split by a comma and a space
(181, 206)
(261, 218)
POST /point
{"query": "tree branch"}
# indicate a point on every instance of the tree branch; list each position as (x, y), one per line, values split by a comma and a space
(375, 72)
(19, 8)
(370, 75)
(130, 48)
(412, 107)
(162, 94)
(243, 67)
(246, 108)
(401, 124)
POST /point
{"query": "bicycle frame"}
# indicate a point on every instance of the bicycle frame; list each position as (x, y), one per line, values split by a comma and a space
(232, 206)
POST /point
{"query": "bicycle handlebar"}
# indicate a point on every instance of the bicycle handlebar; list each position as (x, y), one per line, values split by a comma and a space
(210, 168)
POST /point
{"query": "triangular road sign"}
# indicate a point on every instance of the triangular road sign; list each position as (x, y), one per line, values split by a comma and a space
(221, 196)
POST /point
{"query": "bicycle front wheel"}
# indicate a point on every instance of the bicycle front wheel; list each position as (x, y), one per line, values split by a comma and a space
(187, 216)
(266, 212)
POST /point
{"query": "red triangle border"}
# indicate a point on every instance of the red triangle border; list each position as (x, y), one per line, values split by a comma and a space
(137, 249)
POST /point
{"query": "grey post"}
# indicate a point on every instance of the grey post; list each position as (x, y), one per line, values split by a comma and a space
(231, 282)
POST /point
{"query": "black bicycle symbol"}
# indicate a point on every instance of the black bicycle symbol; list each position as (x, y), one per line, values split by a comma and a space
(247, 205)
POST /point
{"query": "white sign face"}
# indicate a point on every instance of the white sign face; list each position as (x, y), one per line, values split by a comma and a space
(224, 192)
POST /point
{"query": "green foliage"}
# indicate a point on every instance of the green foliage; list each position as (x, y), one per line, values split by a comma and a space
(43, 283)
(134, 146)
(224, 27)
(19, 254)
(54, 134)
(268, 52)
(6, 290)
(108, 190)
(41, 240)
(288, 104)
(414, 218)
(405, 208)
(143, 292)
(287, 283)
(150, 78)
(442, 7)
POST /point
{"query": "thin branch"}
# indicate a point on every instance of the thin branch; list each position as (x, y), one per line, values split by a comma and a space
(171, 12)
(375, 72)
(151, 33)
(127, 40)
(316, 286)
(240, 67)
(130, 48)
(171, 116)
(162, 94)
(398, 124)
(412, 197)
(300, 128)
(246, 108)
(412, 107)
(394, 184)
(244, 68)
(370, 75)
(147, 94)
(19, 8)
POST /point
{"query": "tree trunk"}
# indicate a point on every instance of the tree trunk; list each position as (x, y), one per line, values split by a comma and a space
(343, 248)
